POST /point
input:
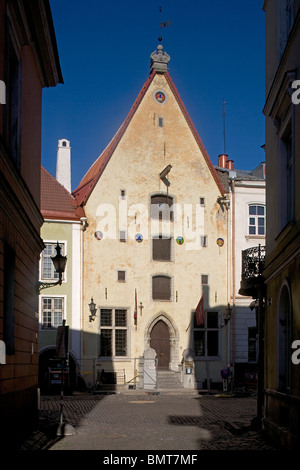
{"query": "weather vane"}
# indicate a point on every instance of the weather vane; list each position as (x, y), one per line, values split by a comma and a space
(163, 24)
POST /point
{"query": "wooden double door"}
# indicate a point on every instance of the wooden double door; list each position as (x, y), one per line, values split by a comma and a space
(160, 341)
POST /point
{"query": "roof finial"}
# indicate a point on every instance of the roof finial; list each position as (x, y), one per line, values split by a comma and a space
(159, 59)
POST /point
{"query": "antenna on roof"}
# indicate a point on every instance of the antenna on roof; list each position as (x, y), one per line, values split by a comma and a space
(224, 132)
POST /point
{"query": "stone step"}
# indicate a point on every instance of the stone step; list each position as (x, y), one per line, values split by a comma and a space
(168, 379)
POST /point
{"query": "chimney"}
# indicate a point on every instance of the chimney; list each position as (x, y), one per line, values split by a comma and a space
(63, 164)
(230, 165)
(222, 160)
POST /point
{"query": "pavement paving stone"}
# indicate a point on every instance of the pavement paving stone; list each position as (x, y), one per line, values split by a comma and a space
(142, 421)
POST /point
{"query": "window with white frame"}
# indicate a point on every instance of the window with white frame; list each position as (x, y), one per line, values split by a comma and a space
(47, 268)
(256, 219)
(206, 336)
(113, 332)
(52, 311)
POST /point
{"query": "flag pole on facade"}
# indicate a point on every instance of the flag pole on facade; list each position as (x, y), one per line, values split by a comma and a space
(200, 311)
(135, 309)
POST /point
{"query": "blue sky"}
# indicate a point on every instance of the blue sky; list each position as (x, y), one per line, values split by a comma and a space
(216, 49)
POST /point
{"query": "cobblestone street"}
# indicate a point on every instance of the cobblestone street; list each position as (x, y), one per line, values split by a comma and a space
(141, 421)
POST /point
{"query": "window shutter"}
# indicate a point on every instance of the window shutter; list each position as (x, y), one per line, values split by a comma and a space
(161, 288)
(161, 248)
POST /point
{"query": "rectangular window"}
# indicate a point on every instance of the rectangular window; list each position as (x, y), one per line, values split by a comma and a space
(122, 236)
(256, 220)
(14, 100)
(52, 312)
(161, 249)
(204, 279)
(161, 122)
(290, 178)
(121, 276)
(203, 241)
(113, 332)
(123, 194)
(289, 16)
(202, 201)
(9, 299)
(206, 337)
(47, 268)
(252, 353)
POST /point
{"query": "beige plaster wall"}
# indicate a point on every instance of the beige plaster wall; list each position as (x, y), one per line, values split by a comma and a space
(143, 152)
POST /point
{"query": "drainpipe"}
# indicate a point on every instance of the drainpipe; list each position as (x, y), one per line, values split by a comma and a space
(233, 272)
(83, 228)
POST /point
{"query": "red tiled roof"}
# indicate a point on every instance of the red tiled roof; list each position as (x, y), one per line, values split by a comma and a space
(90, 179)
(56, 201)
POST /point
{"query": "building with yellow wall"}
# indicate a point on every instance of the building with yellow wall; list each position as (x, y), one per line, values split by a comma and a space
(156, 241)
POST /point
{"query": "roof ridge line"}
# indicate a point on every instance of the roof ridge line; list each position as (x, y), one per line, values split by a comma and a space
(111, 147)
(194, 132)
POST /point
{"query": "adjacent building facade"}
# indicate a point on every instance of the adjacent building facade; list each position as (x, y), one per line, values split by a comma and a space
(64, 223)
(28, 62)
(247, 230)
(155, 249)
(281, 275)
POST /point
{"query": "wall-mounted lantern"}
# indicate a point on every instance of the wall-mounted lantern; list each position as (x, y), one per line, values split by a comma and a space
(227, 314)
(59, 261)
(93, 310)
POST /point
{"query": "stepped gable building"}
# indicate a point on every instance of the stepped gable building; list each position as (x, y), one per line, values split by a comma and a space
(155, 245)
(28, 62)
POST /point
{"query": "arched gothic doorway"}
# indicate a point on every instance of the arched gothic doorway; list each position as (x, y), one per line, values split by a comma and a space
(160, 341)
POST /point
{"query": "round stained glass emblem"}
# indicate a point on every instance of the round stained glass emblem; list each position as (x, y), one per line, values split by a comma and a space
(220, 242)
(160, 97)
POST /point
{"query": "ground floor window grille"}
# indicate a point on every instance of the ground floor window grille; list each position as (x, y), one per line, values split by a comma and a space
(113, 332)
(52, 312)
(206, 336)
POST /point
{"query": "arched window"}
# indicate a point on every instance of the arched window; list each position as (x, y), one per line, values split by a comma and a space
(256, 219)
(161, 287)
(64, 143)
(161, 207)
